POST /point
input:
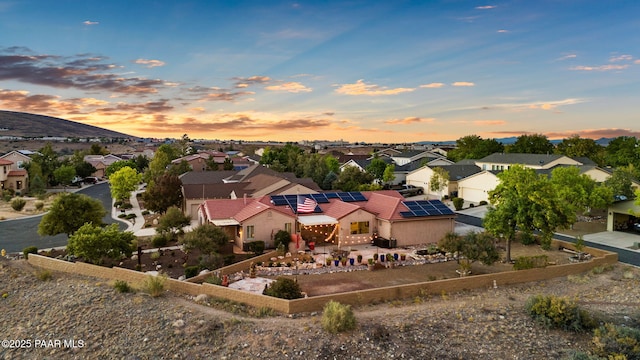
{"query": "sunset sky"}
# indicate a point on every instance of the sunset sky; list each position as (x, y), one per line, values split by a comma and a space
(374, 71)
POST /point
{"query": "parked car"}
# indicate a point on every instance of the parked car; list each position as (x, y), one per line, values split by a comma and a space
(636, 226)
(90, 180)
(77, 181)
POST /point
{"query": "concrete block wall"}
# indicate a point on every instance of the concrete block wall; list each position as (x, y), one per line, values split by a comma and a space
(355, 298)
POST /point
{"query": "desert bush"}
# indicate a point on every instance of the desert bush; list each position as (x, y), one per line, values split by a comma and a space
(122, 286)
(39, 205)
(611, 341)
(458, 203)
(44, 275)
(118, 203)
(126, 206)
(530, 262)
(155, 255)
(212, 279)
(29, 250)
(527, 238)
(483, 202)
(559, 312)
(18, 204)
(283, 288)
(154, 285)
(160, 240)
(337, 317)
(145, 212)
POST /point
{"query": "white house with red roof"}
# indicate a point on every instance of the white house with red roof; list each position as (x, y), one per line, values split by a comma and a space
(339, 218)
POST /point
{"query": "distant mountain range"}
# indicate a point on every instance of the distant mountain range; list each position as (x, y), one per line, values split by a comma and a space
(32, 125)
(511, 140)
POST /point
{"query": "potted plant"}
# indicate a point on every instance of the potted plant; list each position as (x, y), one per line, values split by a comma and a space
(336, 262)
(396, 256)
(352, 261)
(375, 257)
(343, 261)
(359, 258)
(403, 257)
(390, 261)
(328, 261)
(371, 264)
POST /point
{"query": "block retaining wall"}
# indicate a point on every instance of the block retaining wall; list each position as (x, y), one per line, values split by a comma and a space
(360, 297)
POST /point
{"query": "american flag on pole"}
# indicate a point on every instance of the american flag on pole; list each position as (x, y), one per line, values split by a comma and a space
(305, 205)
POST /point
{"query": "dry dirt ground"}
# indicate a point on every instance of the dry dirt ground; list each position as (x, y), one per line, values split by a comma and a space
(479, 324)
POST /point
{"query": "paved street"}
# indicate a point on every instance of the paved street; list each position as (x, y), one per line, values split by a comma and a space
(17, 234)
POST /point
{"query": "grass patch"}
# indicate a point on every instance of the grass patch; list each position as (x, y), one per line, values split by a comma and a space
(44, 275)
(154, 285)
(337, 318)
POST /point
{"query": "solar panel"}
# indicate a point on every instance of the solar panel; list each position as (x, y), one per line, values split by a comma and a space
(357, 196)
(425, 208)
(331, 195)
(319, 198)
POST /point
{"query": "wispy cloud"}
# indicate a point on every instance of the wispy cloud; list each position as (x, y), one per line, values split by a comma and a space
(489, 122)
(432, 85)
(242, 82)
(503, 31)
(567, 57)
(485, 7)
(463, 83)
(89, 22)
(217, 94)
(292, 87)
(621, 58)
(150, 63)
(599, 68)
(360, 88)
(409, 120)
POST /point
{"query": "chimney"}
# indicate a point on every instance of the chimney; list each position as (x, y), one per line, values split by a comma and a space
(244, 196)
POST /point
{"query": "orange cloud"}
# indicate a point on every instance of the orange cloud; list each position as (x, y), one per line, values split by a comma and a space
(463, 83)
(489, 122)
(409, 120)
(432, 85)
(292, 87)
(360, 88)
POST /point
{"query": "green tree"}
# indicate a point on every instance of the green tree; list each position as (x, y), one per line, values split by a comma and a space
(37, 184)
(123, 182)
(620, 181)
(97, 149)
(376, 168)
(227, 164)
(471, 247)
(48, 161)
(84, 169)
(332, 163)
(206, 238)
(329, 179)
(157, 166)
(142, 163)
(579, 190)
(172, 222)
(439, 180)
(69, 212)
(93, 243)
(351, 178)
(389, 173)
(474, 147)
(179, 168)
(531, 144)
(526, 202)
(622, 151)
(116, 166)
(162, 193)
(64, 175)
(576, 147)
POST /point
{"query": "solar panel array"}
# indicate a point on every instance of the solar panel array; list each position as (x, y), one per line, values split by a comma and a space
(292, 201)
(321, 198)
(425, 208)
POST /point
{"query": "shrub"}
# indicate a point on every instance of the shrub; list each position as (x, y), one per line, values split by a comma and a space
(160, 240)
(117, 204)
(530, 262)
(483, 202)
(558, 312)
(44, 275)
(212, 279)
(39, 205)
(458, 203)
(191, 271)
(122, 286)
(154, 285)
(527, 238)
(283, 288)
(611, 341)
(256, 247)
(282, 237)
(29, 250)
(338, 318)
(145, 212)
(155, 255)
(229, 259)
(18, 204)
(126, 206)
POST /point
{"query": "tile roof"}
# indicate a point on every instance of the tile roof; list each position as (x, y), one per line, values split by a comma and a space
(206, 177)
(5, 162)
(385, 204)
(519, 158)
(20, 172)
(213, 191)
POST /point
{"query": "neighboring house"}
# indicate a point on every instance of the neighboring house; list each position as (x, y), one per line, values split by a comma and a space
(342, 219)
(12, 178)
(19, 158)
(200, 186)
(414, 155)
(198, 161)
(502, 161)
(475, 188)
(101, 162)
(421, 177)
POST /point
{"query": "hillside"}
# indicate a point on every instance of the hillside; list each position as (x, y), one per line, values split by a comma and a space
(33, 125)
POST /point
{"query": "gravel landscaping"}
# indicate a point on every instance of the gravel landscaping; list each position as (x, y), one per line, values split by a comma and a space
(482, 324)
